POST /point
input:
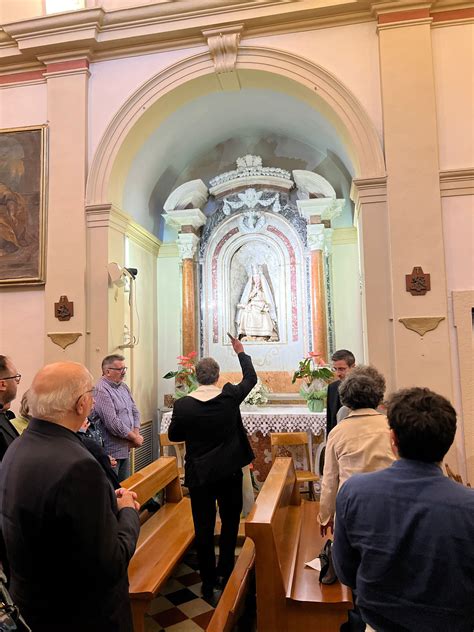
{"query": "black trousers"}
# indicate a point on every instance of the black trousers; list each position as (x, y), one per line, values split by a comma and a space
(227, 492)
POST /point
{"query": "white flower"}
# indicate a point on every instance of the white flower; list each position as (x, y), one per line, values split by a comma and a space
(258, 395)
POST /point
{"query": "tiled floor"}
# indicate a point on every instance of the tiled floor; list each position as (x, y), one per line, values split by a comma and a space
(180, 607)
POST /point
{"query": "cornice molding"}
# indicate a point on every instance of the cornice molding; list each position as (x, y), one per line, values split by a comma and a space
(171, 25)
(369, 190)
(109, 216)
(165, 25)
(454, 182)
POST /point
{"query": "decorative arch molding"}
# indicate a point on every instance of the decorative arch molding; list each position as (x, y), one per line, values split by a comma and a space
(337, 103)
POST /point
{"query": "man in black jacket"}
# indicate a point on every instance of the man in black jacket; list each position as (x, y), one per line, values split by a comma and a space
(342, 362)
(68, 536)
(217, 448)
(9, 380)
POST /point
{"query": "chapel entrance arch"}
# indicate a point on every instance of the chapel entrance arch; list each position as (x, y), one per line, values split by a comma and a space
(176, 85)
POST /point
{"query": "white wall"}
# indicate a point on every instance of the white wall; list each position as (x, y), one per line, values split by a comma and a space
(347, 299)
(168, 317)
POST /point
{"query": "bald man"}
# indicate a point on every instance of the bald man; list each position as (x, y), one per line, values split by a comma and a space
(69, 537)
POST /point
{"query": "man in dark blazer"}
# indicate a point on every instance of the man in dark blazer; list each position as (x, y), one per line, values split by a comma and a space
(68, 535)
(342, 361)
(9, 380)
(217, 448)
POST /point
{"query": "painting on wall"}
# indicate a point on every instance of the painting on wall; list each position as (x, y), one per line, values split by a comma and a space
(22, 205)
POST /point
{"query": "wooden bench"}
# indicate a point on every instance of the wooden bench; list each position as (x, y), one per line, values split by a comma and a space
(286, 534)
(164, 536)
(231, 601)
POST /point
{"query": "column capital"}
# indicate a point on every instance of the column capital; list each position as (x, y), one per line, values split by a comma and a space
(185, 217)
(315, 237)
(187, 245)
(325, 208)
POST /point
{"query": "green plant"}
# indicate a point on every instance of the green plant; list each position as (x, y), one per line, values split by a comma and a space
(185, 376)
(315, 376)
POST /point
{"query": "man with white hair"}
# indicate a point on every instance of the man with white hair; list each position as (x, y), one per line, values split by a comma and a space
(68, 536)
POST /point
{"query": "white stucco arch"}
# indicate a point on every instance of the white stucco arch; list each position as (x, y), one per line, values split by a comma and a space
(294, 74)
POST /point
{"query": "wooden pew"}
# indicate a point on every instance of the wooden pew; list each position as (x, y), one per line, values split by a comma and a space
(229, 606)
(164, 537)
(286, 535)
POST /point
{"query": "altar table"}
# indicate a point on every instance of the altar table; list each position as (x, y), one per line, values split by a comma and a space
(260, 421)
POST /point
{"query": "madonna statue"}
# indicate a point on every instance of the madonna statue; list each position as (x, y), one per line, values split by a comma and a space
(256, 317)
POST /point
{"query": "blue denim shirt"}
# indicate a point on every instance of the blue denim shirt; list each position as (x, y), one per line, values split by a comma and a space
(404, 539)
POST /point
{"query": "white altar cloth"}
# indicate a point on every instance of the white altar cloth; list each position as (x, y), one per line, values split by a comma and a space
(268, 419)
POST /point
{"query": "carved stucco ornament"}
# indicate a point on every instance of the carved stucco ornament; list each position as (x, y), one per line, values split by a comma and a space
(223, 45)
(422, 324)
(63, 340)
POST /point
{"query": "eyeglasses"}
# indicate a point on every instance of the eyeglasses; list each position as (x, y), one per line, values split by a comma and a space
(16, 377)
(123, 370)
(92, 391)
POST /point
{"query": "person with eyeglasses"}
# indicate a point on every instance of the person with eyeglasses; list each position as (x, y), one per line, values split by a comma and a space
(116, 412)
(68, 535)
(9, 380)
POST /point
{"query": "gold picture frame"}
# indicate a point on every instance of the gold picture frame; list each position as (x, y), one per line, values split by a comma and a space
(23, 170)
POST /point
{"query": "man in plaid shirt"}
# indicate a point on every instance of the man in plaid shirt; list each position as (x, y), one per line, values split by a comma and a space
(117, 413)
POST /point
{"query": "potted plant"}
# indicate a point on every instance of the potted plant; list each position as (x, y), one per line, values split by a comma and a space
(316, 376)
(185, 376)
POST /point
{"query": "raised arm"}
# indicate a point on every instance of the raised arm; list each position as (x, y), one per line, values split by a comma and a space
(249, 377)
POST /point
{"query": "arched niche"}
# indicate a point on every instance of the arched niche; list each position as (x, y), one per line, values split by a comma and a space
(277, 249)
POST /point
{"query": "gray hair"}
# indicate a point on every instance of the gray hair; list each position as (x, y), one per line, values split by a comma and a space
(110, 359)
(25, 406)
(53, 404)
(207, 371)
(364, 387)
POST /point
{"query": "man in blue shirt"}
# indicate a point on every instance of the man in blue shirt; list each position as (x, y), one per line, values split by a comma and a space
(115, 408)
(404, 535)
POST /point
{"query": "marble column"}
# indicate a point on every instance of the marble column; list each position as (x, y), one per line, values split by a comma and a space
(318, 293)
(319, 212)
(187, 245)
(188, 222)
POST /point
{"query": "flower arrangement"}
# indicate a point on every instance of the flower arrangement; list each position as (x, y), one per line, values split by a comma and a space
(185, 376)
(315, 375)
(258, 396)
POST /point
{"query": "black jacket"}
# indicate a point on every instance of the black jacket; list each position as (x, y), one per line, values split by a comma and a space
(216, 441)
(67, 543)
(333, 405)
(8, 433)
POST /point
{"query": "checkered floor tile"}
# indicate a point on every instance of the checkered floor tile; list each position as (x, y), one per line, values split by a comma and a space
(179, 607)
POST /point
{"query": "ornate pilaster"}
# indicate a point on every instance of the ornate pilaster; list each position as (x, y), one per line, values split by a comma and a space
(319, 212)
(188, 222)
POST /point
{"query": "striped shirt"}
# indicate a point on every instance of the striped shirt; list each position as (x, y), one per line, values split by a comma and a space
(117, 414)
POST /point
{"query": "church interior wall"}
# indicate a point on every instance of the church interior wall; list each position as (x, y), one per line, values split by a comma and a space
(22, 106)
(347, 293)
(349, 52)
(113, 81)
(142, 357)
(454, 94)
(169, 329)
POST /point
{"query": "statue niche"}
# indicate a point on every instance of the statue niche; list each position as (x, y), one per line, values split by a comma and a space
(256, 314)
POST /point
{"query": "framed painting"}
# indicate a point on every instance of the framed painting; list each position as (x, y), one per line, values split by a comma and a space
(23, 153)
